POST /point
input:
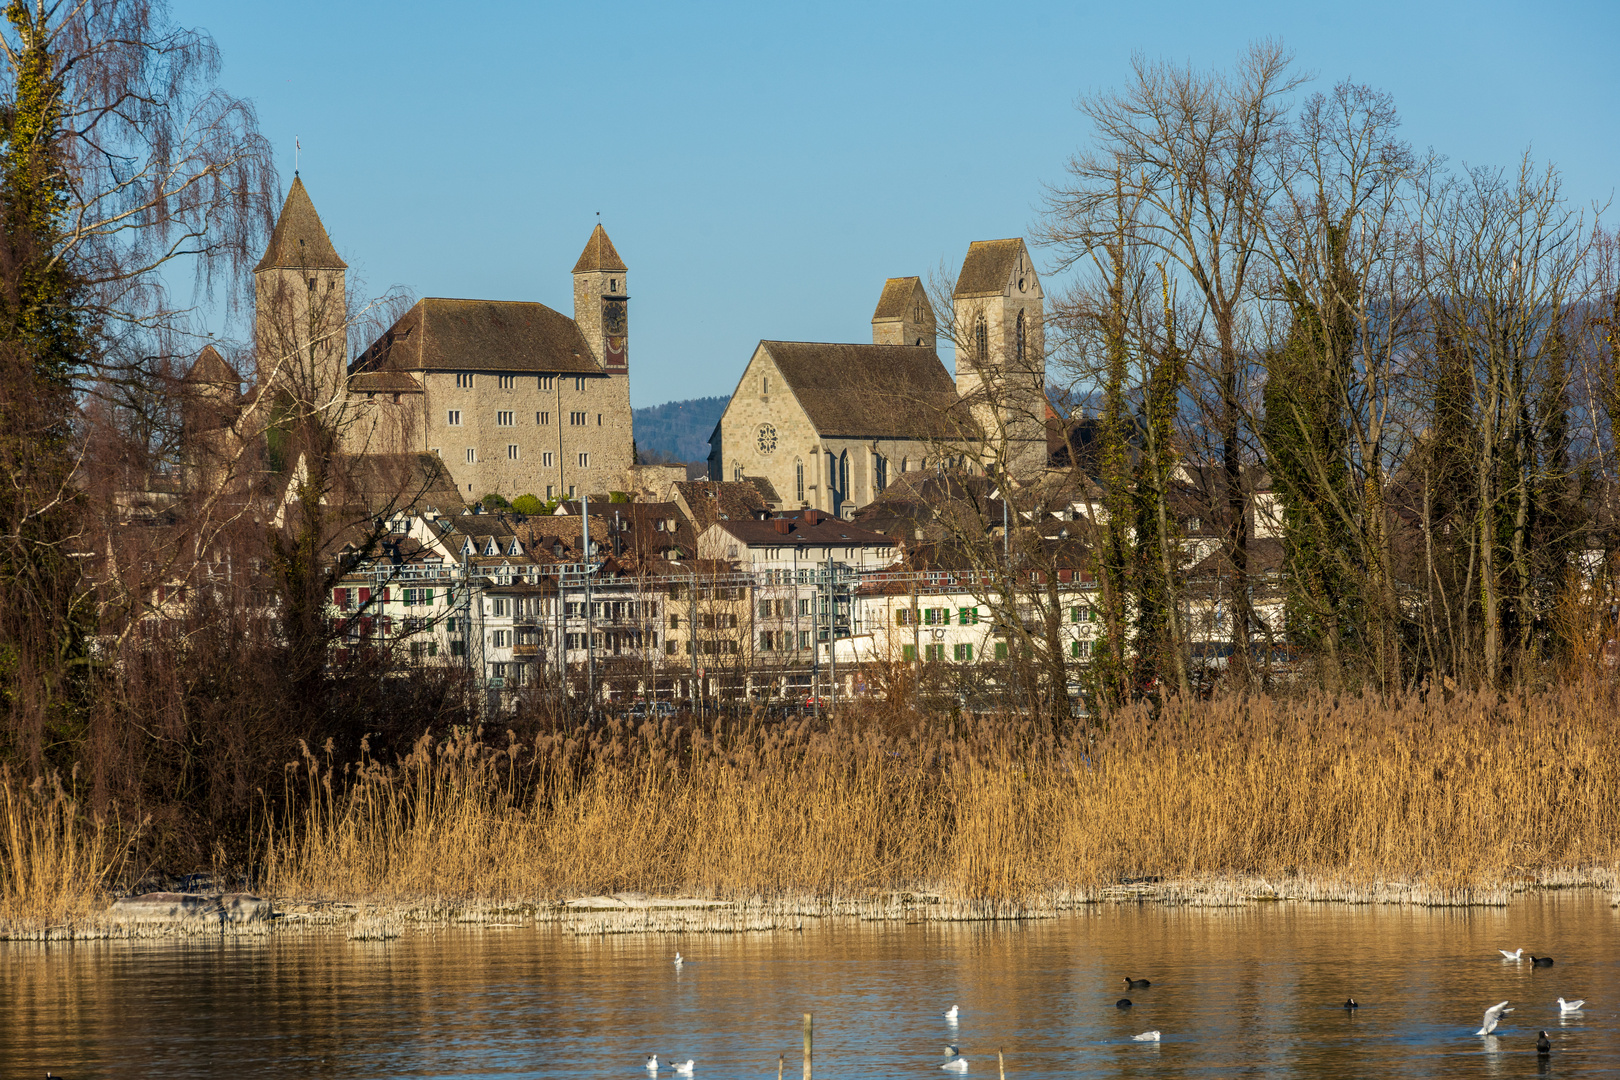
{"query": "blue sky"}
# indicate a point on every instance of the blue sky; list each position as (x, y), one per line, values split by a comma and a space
(762, 168)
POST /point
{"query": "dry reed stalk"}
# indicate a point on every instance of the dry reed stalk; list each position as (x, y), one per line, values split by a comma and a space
(1432, 799)
(52, 864)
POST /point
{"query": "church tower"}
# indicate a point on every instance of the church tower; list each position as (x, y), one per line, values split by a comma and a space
(601, 302)
(998, 316)
(300, 307)
(903, 316)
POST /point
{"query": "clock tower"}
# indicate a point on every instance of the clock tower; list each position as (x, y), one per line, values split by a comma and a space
(601, 302)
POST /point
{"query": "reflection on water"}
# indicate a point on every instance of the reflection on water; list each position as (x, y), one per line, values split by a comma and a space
(1253, 991)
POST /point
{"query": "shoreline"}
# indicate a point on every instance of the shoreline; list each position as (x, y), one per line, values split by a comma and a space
(192, 915)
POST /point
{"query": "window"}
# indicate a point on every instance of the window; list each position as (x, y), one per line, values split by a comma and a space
(964, 653)
(503, 419)
(933, 652)
(804, 639)
(546, 460)
(576, 419)
(1018, 346)
(584, 461)
(458, 648)
(1079, 649)
(764, 609)
(500, 639)
(908, 652)
(968, 616)
(545, 382)
(463, 380)
(579, 384)
(1001, 650)
(936, 616)
(503, 607)
(766, 638)
(542, 418)
(903, 617)
(981, 341)
(438, 451)
(453, 417)
(1081, 614)
(549, 494)
(598, 419)
(472, 455)
(804, 607)
(764, 384)
(880, 472)
(505, 382)
(798, 469)
(511, 452)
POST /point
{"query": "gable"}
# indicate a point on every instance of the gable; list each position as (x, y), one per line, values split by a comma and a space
(868, 391)
(994, 267)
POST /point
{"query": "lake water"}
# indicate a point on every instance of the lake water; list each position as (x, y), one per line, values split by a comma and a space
(1249, 991)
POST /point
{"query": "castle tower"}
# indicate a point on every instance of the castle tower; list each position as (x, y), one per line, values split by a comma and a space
(903, 316)
(998, 316)
(210, 402)
(300, 307)
(601, 302)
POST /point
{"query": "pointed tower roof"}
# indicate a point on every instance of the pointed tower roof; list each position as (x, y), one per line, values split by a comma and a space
(210, 367)
(299, 240)
(988, 267)
(599, 254)
(896, 297)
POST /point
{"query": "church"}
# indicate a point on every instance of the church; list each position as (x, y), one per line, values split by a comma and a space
(514, 397)
(831, 425)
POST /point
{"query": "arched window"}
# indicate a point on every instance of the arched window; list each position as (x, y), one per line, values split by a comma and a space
(880, 472)
(1020, 331)
(843, 476)
(905, 463)
(981, 340)
(798, 469)
(736, 471)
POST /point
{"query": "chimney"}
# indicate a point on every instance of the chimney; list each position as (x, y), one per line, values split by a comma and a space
(782, 526)
(812, 517)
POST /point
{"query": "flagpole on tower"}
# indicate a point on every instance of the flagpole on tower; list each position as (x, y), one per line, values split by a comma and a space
(297, 146)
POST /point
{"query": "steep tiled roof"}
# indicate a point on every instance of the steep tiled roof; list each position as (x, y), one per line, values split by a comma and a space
(988, 265)
(797, 529)
(210, 367)
(299, 239)
(712, 500)
(382, 382)
(897, 294)
(868, 391)
(481, 335)
(599, 254)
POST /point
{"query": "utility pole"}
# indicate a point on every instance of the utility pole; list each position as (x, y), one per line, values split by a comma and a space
(590, 652)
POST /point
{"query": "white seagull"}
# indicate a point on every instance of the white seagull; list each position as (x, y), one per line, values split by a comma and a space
(950, 1014)
(652, 1063)
(1570, 1006)
(955, 1061)
(1147, 1036)
(1492, 1015)
(678, 960)
(1516, 954)
(684, 1067)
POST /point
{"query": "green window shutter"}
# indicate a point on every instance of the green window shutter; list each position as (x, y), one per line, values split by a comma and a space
(909, 652)
(1074, 648)
(1001, 650)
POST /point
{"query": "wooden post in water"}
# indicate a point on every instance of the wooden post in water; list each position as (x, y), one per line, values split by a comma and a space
(1001, 1066)
(807, 1055)
(781, 1059)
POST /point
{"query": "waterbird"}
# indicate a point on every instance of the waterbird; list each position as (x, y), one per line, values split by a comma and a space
(1543, 1044)
(684, 1067)
(652, 1063)
(950, 1014)
(678, 960)
(954, 1061)
(1570, 1006)
(1123, 1003)
(1516, 954)
(1147, 1036)
(1350, 1003)
(1492, 1015)
(1136, 984)
(1541, 961)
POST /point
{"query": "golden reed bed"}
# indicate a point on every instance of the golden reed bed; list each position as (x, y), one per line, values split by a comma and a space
(1453, 795)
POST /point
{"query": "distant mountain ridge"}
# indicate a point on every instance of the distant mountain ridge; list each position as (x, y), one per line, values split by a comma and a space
(678, 429)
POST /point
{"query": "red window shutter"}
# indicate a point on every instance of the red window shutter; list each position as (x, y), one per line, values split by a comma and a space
(385, 596)
(340, 597)
(365, 595)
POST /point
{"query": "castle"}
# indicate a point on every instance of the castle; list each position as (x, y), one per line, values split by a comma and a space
(514, 397)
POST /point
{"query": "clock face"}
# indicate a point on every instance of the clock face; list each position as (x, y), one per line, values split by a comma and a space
(613, 316)
(767, 439)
